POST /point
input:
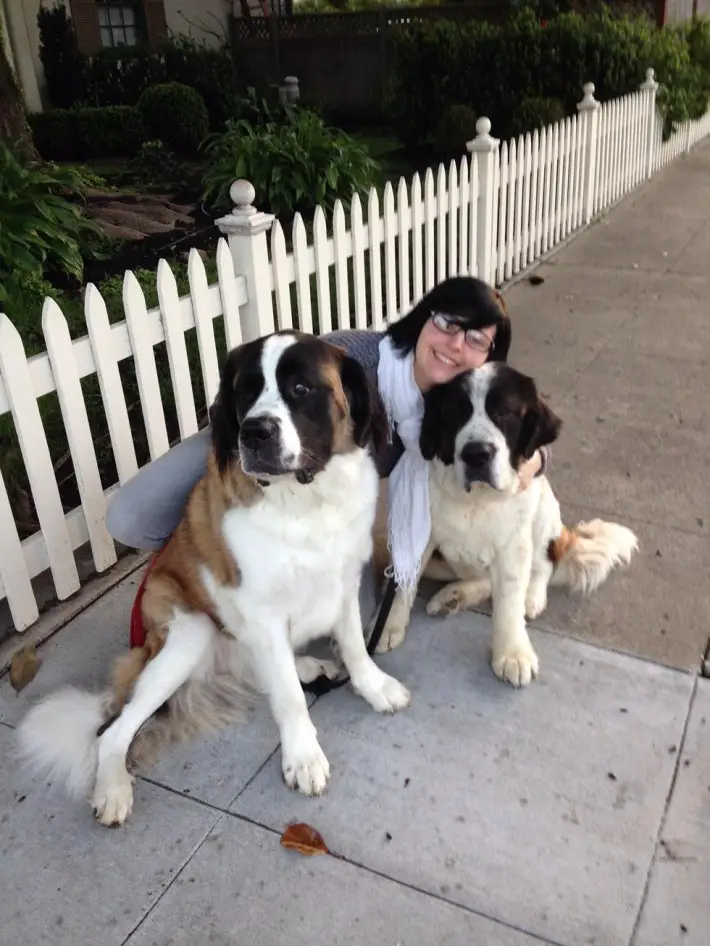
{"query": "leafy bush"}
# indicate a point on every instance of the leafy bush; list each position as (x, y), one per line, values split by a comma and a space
(537, 112)
(154, 163)
(63, 63)
(41, 230)
(456, 126)
(66, 134)
(120, 76)
(293, 166)
(492, 67)
(175, 114)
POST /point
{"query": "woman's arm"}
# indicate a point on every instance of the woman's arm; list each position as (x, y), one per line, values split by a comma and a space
(145, 511)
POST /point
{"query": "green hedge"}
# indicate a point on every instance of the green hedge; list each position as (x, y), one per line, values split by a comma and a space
(75, 134)
(493, 68)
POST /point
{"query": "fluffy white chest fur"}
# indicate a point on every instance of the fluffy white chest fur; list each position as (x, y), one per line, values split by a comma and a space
(470, 529)
(300, 550)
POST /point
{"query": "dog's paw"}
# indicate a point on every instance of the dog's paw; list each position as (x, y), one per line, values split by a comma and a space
(516, 664)
(535, 601)
(444, 603)
(457, 597)
(393, 633)
(310, 668)
(383, 693)
(306, 769)
(112, 801)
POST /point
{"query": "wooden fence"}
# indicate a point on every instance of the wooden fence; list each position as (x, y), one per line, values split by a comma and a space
(491, 214)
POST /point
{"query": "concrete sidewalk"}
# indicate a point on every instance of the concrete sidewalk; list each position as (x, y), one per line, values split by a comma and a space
(574, 812)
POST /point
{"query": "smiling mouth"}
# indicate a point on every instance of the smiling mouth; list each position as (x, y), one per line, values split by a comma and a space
(444, 360)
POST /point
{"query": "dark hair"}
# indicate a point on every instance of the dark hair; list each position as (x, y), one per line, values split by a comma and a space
(472, 301)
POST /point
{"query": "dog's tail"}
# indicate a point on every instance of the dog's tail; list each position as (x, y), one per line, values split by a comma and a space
(584, 556)
(58, 738)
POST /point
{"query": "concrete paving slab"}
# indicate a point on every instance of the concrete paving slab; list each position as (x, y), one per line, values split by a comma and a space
(695, 258)
(67, 881)
(659, 476)
(540, 808)
(650, 391)
(242, 887)
(677, 909)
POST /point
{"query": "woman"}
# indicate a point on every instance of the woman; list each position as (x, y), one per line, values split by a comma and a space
(458, 326)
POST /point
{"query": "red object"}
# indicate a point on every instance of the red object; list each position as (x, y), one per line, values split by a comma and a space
(137, 632)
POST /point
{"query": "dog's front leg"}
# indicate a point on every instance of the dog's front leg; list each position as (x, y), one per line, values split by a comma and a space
(395, 629)
(382, 692)
(513, 659)
(303, 762)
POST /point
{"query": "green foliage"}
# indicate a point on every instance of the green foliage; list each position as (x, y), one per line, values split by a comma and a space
(493, 67)
(293, 166)
(62, 62)
(155, 163)
(175, 114)
(80, 133)
(536, 112)
(456, 126)
(41, 229)
(120, 76)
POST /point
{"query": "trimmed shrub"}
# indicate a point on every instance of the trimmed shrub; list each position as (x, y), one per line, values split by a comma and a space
(492, 68)
(75, 134)
(535, 113)
(175, 114)
(455, 127)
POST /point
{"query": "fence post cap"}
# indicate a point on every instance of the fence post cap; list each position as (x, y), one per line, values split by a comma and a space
(588, 100)
(650, 84)
(243, 196)
(483, 140)
(245, 219)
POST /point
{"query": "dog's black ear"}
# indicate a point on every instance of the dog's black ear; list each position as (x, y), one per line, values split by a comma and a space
(447, 407)
(224, 420)
(430, 435)
(540, 427)
(366, 409)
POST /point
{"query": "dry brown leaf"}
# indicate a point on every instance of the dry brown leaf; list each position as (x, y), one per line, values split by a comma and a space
(24, 667)
(304, 839)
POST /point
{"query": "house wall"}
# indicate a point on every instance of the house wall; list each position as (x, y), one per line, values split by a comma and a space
(21, 34)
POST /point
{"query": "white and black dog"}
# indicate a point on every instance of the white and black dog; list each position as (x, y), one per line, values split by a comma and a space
(490, 539)
(268, 556)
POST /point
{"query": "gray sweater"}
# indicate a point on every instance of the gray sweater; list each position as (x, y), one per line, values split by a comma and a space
(146, 510)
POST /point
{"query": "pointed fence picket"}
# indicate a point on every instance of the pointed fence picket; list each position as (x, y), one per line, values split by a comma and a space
(491, 214)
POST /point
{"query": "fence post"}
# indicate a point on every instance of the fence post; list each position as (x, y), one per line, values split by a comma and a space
(650, 87)
(588, 109)
(246, 230)
(485, 150)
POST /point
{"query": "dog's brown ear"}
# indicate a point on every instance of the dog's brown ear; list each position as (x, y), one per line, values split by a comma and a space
(366, 409)
(541, 426)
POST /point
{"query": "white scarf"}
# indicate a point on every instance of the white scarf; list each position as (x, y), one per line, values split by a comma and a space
(409, 521)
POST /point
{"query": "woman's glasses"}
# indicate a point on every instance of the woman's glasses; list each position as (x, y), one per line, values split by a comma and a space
(450, 325)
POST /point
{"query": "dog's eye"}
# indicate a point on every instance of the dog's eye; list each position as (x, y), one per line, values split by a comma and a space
(300, 390)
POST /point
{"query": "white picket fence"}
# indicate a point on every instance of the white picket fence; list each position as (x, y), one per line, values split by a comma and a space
(498, 210)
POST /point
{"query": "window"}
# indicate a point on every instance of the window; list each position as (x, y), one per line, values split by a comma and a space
(118, 24)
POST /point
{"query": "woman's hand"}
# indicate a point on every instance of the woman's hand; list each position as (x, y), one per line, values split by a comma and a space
(529, 470)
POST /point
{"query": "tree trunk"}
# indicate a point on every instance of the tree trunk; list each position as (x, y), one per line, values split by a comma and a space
(13, 122)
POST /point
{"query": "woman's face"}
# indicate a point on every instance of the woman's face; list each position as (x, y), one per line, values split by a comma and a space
(444, 349)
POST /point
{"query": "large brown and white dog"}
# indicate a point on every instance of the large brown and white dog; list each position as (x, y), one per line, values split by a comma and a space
(488, 538)
(267, 557)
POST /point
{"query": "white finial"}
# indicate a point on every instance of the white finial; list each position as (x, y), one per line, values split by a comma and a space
(243, 195)
(483, 140)
(588, 101)
(650, 85)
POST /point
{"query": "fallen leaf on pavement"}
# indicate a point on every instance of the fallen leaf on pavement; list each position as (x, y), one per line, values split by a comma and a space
(536, 280)
(24, 667)
(304, 839)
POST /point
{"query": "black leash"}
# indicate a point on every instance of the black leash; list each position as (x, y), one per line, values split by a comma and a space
(323, 684)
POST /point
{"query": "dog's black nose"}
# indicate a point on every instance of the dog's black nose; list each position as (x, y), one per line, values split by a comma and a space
(477, 455)
(255, 431)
